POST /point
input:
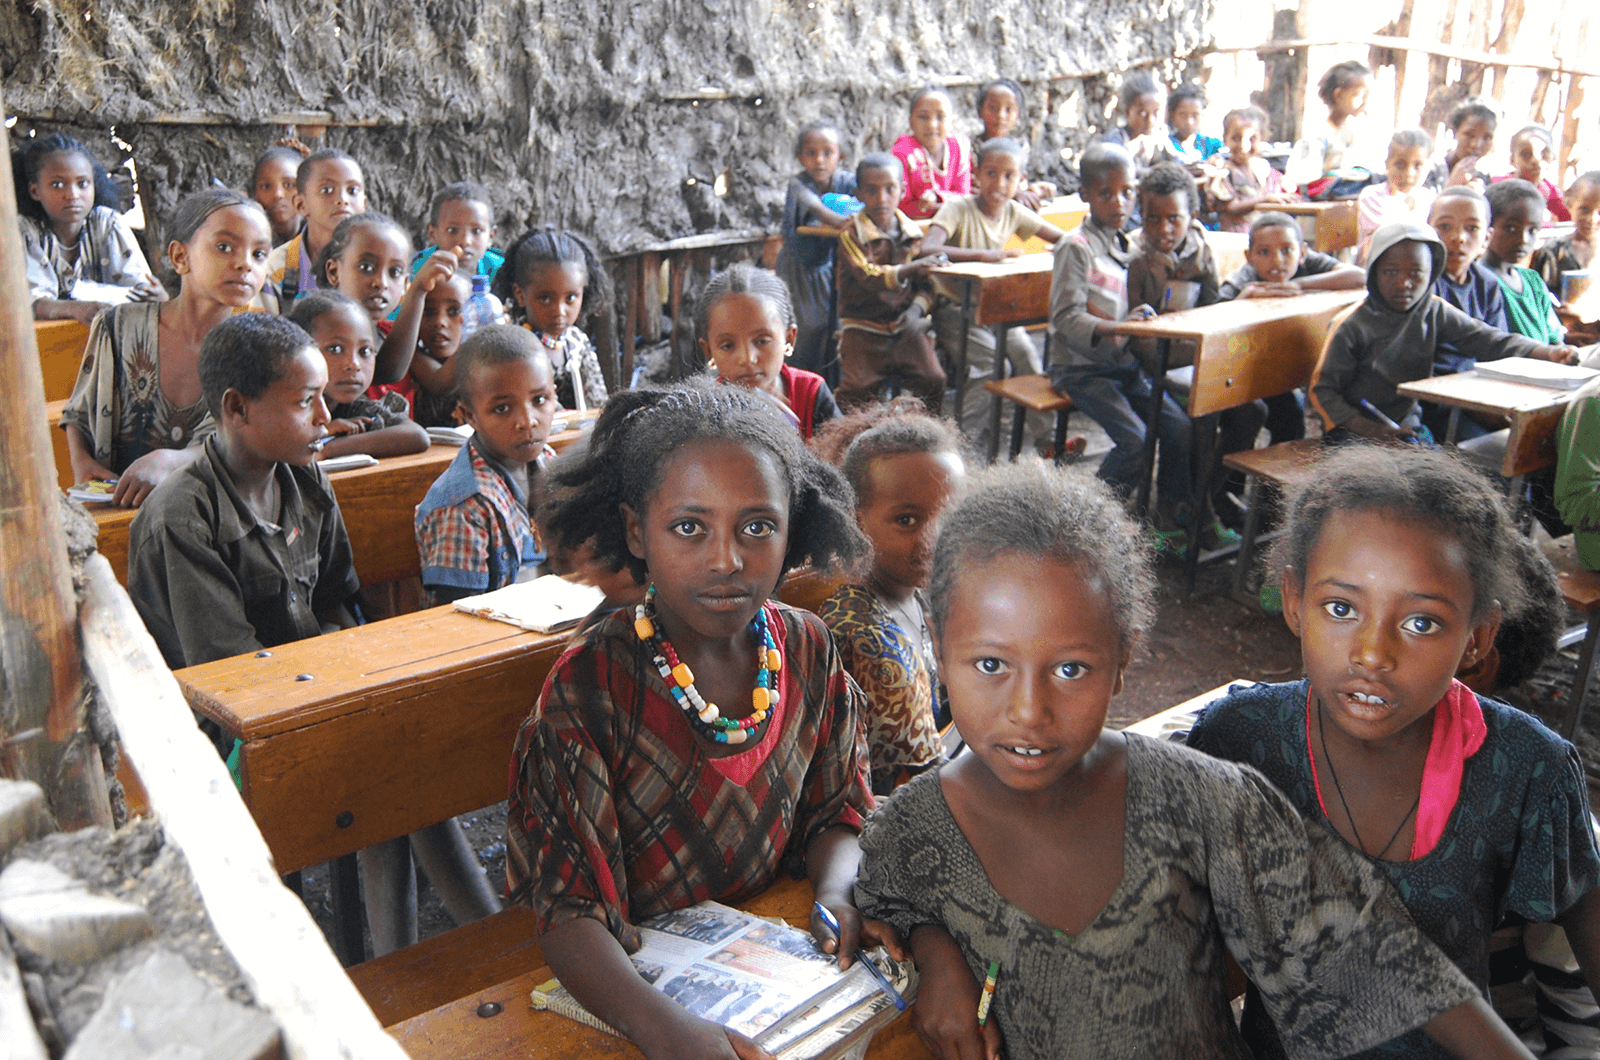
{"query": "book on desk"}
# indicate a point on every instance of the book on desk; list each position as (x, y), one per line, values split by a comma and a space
(762, 978)
(544, 605)
(1537, 373)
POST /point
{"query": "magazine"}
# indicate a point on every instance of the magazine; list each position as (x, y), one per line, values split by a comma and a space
(765, 979)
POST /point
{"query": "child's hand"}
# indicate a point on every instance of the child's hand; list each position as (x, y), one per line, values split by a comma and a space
(692, 1038)
(1142, 311)
(854, 930)
(1463, 172)
(441, 265)
(1372, 430)
(1028, 197)
(914, 270)
(1560, 354)
(1002, 255)
(98, 473)
(145, 474)
(84, 313)
(928, 200)
(359, 425)
(912, 320)
(147, 290)
(946, 1013)
(1261, 289)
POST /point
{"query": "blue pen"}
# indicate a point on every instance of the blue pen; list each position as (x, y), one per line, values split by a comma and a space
(1377, 414)
(832, 924)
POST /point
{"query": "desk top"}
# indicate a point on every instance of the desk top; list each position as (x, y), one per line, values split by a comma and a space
(1241, 314)
(983, 271)
(1481, 393)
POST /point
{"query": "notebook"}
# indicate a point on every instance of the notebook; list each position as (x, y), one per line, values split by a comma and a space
(1537, 373)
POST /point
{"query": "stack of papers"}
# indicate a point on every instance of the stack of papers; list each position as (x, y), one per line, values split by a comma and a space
(1537, 373)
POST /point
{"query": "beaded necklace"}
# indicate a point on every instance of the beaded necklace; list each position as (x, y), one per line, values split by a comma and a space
(704, 717)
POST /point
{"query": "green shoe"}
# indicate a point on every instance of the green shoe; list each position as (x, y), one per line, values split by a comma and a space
(1170, 542)
(1271, 598)
(1218, 536)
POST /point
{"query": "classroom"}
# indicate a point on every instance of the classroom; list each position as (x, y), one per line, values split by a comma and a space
(894, 530)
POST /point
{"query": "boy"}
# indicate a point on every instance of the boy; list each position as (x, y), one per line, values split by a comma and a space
(438, 338)
(329, 187)
(1402, 197)
(884, 294)
(244, 548)
(1575, 250)
(1392, 336)
(1472, 123)
(1533, 153)
(461, 220)
(473, 528)
(1460, 216)
(1278, 264)
(976, 228)
(1516, 215)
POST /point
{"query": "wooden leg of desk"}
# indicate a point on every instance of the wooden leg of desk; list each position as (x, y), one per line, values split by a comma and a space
(1059, 439)
(1452, 430)
(958, 371)
(1000, 373)
(1205, 446)
(1019, 424)
(1580, 680)
(1247, 539)
(344, 894)
(1152, 429)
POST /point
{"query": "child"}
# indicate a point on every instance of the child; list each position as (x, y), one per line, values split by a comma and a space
(272, 184)
(1402, 197)
(1252, 182)
(209, 553)
(1278, 264)
(137, 412)
(1516, 216)
(806, 262)
(1533, 153)
(747, 332)
(1089, 294)
(473, 529)
(329, 187)
(554, 279)
(365, 258)
(626, 802)
(82, 256)
(1472, 124)
(1396, 569)
(1577, 485)
(1460, 216)
(1185, 106)
(1575, 250)
(341, 329)
(1139, 102)
(1094, 876)
(1392, 337)
(1000, 108)
(461, 220)
(1328, 150)
(977, 228)
(936, 164)
(884, 294)
(905, 467)
(433, 367)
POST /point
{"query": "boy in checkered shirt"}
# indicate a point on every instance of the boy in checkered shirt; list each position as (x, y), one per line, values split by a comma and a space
(473, 527)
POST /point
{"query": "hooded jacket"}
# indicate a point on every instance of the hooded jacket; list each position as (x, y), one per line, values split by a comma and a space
(1378, 348)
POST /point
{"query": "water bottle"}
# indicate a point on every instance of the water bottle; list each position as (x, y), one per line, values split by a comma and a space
(482, 309)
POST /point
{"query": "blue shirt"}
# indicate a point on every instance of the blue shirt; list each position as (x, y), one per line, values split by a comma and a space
(1480, 299)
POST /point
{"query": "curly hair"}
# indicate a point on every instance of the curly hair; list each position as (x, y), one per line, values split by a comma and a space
(811, 127)
(1098, 162)
(1031, 508)
(1503, 194)
(901, 425)
(467, 191)
(638, 430)
(1000, 145)
(1007, 84)
(1340, 75)
(881, 160)
(1410, 138)
(29, 159)
(1591, 178)
(1135, 85)
(1275, 219)
(292, 155)
(1185, 94)
(325, 300)
(247, 352)
(339, 242)
(1247, 116)
(302, 173)
(1169, 178)
(929, 90)
(557, 246)
(1472, 108)
(1527, 639)
(1431, 487)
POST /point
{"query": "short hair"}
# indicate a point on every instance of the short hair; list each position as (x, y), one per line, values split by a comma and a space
(1246, 115)
(302, 175)
(276, 151)
(742, 278)
(323, 300)
(1136, 84)
(639, 429)
(1433, 487)
(1005, 83)
(1591, 178)
(29, 159)
(1099, 160)
(339, 242)
(1170, 178)
(1275, 219)
(1183, 94)
(555, 246)
(1030, 508)
(247, 352)
(1410, 138)
(193, 210)
(816, 127)
(903, 425)
(924, 92)
(460, 191)
(1340, 75)
(1503, 194)
(494, 345)
(1534, 131)
(999, 145)
(1529, 638)
(1461, 191)
(881, 160)
(1472, 108)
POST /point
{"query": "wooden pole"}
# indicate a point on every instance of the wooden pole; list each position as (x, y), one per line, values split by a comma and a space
(40, 709)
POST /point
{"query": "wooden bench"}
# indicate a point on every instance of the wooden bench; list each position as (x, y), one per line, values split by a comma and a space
(1580, 589)
(1286, 466)
(1327, 226)
(1031, 393)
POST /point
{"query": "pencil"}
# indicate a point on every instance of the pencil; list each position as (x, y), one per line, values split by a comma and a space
(987, 997)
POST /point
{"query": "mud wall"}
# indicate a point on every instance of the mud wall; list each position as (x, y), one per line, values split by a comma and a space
(608, 116)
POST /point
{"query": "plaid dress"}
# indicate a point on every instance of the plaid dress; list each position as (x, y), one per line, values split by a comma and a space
(617, 812)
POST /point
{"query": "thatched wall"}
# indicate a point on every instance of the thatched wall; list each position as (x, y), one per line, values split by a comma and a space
(593, 114)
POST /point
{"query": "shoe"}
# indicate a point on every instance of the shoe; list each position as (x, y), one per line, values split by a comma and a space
(1218, 536)
(1173, 543)
(1270, 597)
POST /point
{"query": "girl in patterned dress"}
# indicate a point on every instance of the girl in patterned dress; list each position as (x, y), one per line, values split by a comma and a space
(906, 467)
(937, 165)
(551, 280)
(1092, 879)
(693, 747)
(1396, 569)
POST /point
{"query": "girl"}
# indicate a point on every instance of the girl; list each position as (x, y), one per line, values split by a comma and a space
(136, 413)
(549, 279)
(747, 332)
(433, 367)
(82, 256)
(936, 164)
(1000, 110)
(1251, 181)
(1185, 107)
(626, 802)
(1139, 103)
(343, 332)
(1094, 877)
(1575, 250)
(1402, 197)
(1533, 156)
(1327, 150)
(806, 262)
(1396, 569)
(272, 184)
(1472, 124)
(905, 467)
(367, 259)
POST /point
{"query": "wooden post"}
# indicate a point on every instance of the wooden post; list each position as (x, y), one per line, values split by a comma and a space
(40, 709)
(1286, 78)
(1510, 24)
(1569, 126)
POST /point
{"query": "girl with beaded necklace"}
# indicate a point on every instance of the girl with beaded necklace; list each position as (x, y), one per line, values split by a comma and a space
(692, 748)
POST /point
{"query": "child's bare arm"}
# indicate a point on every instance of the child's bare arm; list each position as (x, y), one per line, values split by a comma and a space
(1344, 278)
(433, 375)
(832, 859)
(85, 468)
(946, 1014)
(1472, 1030)
(937, 239)
(68, 309)
(1050, 233)
(394, 356)
(397, 440)
(811, 203)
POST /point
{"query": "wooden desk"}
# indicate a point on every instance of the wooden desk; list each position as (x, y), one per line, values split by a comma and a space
(61, 344)
(1328, 226)
(379, 505)
(1230, 250)
(1066, 212)
(1535, 413)
(998, 295)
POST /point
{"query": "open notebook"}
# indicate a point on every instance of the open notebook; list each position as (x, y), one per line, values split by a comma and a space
(1536, 372)
(544, 605)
